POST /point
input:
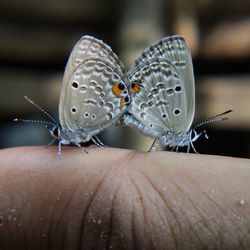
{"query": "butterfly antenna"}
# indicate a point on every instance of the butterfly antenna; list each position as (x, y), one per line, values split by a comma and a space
(39, 108)
(214, 119)
(34, 121)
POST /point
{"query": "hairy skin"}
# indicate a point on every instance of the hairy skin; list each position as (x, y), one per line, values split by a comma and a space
(122, 199)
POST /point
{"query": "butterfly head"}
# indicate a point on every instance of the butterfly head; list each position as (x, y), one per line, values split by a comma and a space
(55, 131)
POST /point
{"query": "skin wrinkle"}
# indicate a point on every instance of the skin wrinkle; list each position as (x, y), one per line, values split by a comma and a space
(68, 204)
(145, 221)
(187, 218)
(133, 227)
(191, 202)
(215, 204)
(196, 209)
(117, 166)
(108, 245)
(84, 217)
(167, 207)
(241, 243)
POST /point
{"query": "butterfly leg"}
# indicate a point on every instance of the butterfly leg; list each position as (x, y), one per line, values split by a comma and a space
(50, 143)
(97, 142)
(154, 145)
(59, 150)
(79, 145)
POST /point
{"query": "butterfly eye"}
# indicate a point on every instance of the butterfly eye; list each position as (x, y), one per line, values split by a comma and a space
(55, 132)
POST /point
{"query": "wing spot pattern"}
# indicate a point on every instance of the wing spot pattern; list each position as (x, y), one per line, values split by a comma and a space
(101, 103)
(98, 89)
(109, 116)
(142, 106)
(176, 112)
(170, 91)
(181, 64)
(142, 114)
(83, 88)
(110, 105)
(75, 85)
(73, 110)
(90, 102)
(161, 103)
(177, 88)
(92, 83)
(160, 85)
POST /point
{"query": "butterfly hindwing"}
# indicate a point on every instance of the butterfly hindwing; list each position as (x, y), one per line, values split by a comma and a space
(92, 100)
(160, 105)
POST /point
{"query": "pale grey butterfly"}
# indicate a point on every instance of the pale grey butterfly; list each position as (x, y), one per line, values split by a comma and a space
(94, 94)
(163, 95)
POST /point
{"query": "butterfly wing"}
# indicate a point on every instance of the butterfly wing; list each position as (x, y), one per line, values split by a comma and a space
(175, 50)
(94, 92)
(172, 82)
(160, 104)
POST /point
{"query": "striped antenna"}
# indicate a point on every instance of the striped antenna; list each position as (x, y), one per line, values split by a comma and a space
(34, 121)
(42, 110)
(214, 118)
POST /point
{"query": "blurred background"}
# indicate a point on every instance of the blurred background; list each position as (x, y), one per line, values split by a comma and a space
(36, 38)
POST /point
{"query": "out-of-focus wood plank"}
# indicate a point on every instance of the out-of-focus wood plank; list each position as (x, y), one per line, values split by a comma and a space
(56, 11)
(218, 94)
(141, 25)
(228, 40)
(32, 44)
(43, 88)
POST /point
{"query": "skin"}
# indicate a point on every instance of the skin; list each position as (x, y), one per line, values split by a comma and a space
(122, 199)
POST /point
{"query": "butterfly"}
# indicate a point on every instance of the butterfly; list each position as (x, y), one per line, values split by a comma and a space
(163, 95)
(94, 94)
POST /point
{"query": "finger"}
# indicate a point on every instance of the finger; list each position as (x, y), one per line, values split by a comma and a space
(122, 199)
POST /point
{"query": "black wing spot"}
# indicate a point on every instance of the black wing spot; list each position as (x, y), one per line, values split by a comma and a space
(176, 112)
(73, 109)
(75, 85)
(178, 88)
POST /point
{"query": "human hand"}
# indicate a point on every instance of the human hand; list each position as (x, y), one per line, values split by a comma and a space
(122, 199)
